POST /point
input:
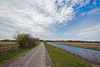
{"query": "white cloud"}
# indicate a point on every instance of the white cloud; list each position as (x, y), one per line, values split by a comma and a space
(81, 3)
(94, 11)
(94, 2)
(92, 30)
(36, 16)
(83, 14)
(88, 29)
(90, 33)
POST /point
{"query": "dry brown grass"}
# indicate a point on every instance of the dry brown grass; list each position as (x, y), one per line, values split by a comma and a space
(7, 46)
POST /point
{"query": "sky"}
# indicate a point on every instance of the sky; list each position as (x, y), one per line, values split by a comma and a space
(51, 19)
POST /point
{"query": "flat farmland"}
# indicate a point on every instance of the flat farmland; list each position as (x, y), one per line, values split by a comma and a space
(3, 43)
(94, 46)
(7, 46)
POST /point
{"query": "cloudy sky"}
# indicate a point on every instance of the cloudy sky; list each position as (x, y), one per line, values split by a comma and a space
(51, 19)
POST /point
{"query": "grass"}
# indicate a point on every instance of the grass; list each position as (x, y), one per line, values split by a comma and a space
(60, 58)
(81, 45)
(13, 54)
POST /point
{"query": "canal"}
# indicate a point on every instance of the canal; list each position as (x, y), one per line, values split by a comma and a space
(90, 54)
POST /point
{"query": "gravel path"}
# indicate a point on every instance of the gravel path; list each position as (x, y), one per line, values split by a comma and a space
(37, 57)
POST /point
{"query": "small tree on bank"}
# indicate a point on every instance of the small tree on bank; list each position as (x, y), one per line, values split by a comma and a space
(25, 39)
(22, 39)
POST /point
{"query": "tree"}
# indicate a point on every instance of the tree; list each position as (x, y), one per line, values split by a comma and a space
(22, 39)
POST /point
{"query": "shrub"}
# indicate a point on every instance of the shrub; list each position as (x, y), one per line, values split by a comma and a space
(25, 39)
(22, 39)
(32, 41)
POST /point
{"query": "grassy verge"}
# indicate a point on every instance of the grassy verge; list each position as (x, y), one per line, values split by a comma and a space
(13, 54)
(60, 58)
(88, 46)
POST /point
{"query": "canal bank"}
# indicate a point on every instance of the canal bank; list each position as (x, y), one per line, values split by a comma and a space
(88, 55)
(60, 58)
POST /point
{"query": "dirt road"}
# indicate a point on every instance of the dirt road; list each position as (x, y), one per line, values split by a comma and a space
(37, 57)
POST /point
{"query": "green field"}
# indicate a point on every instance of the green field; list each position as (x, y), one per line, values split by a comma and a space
(60, 58)
(93, 46)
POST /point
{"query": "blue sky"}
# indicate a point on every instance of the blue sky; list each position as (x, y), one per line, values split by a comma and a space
(51, 19)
